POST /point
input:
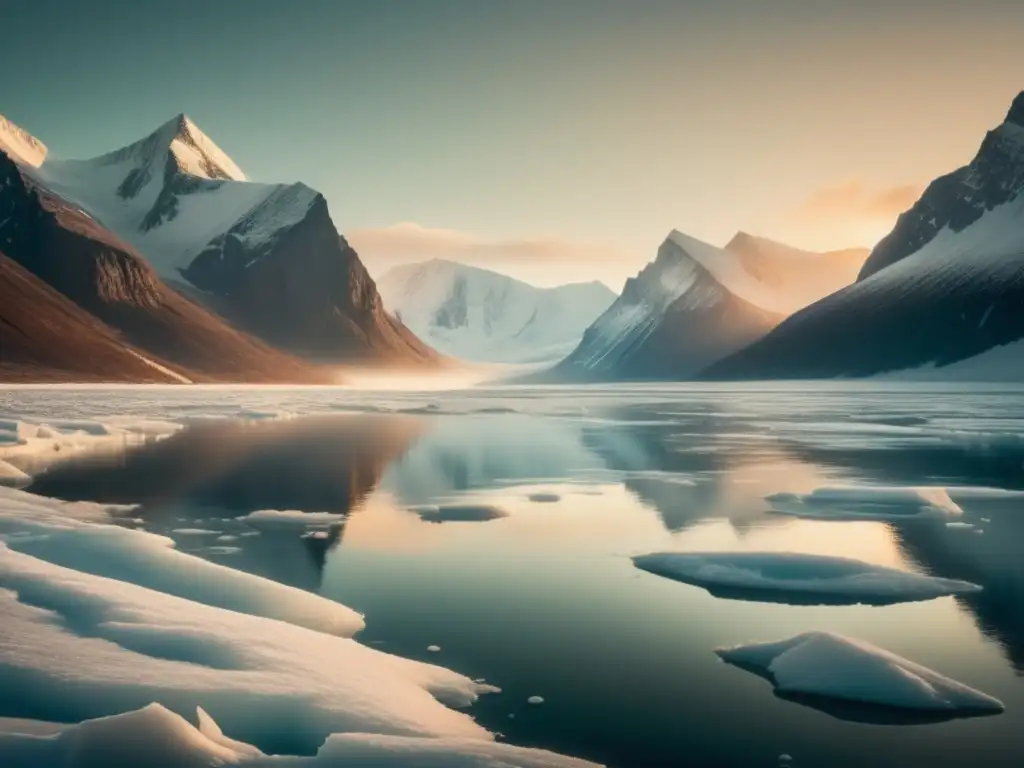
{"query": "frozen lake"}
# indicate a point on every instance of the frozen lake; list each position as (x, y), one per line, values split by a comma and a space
(492, 532)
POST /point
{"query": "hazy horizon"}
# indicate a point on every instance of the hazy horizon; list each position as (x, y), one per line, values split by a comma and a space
(552, 142)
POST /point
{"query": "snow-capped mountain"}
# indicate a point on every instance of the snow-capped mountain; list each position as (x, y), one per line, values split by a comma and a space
(947, 284)
(82, 304)
(265, 256)
(696, 303)
(479, 315)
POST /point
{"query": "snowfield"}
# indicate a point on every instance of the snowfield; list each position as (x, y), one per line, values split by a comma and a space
(479, 315)
(104, 620)
(785, 577)
(832, 666)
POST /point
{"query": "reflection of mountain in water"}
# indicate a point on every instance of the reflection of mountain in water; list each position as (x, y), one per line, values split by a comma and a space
(328, 464)
(995, 560)
(682, 464)
(465, 453)
(314, 465)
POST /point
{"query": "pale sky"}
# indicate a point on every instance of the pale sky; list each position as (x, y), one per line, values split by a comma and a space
(554, 140)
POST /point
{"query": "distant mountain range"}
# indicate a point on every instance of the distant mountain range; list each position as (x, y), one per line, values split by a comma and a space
(945, 285)
(479, 315)
(696, 303)
(183, 260)
(161, 261)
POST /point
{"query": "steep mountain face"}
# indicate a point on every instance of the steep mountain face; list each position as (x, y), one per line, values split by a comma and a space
(71, 252)
(20, 145)
(945, 285)
(44, 336)
(265, 256)
(691, 306)
(479, 315)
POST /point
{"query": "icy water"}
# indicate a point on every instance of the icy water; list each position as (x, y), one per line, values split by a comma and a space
(545, 601)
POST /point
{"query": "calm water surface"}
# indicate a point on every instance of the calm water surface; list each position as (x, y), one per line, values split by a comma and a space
(546, 601)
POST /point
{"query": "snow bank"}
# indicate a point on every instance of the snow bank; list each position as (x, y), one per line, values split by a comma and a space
(11, 475)
(461, 513)
(289, 518)
(78, 535)
(867, 503)
(158, 738)
(33, 446)
(785, 577)
(92, 646)
(833, 666)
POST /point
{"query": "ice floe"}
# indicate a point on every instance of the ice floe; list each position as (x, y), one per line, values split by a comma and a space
(79, 535)
(267, 519)
(92, 646)
(461, 513)
(867, 503)
(823, 664)
(798, 579)
(33, 446)
(544, 498)
(156, 737)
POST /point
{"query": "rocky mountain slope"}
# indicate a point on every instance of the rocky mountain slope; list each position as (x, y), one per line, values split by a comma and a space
(267, 257)
(697, 303)
(67, 250)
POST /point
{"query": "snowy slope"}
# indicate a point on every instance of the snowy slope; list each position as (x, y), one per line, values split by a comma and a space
(803, 276)
(20, 144)
(171, 193)
(479, 315)
(947, 284)
(694, 304)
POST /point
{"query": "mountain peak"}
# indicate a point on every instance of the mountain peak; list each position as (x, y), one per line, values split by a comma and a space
(21, 145)
(196, 153)
(1016, 113)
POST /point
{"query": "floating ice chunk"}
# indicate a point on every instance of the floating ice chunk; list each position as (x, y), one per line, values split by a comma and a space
(268, 519)
(12, 476)
(194, 531)
(867, 503)
(152, 736)
(74, 535)
(208, 727)
(118, 645)
(222, 550)
(798, 579)
(545, 498)
(535, 701)
(159, 738)
(367, 751)
(960, 526)
(829, 665)
(461, 513)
